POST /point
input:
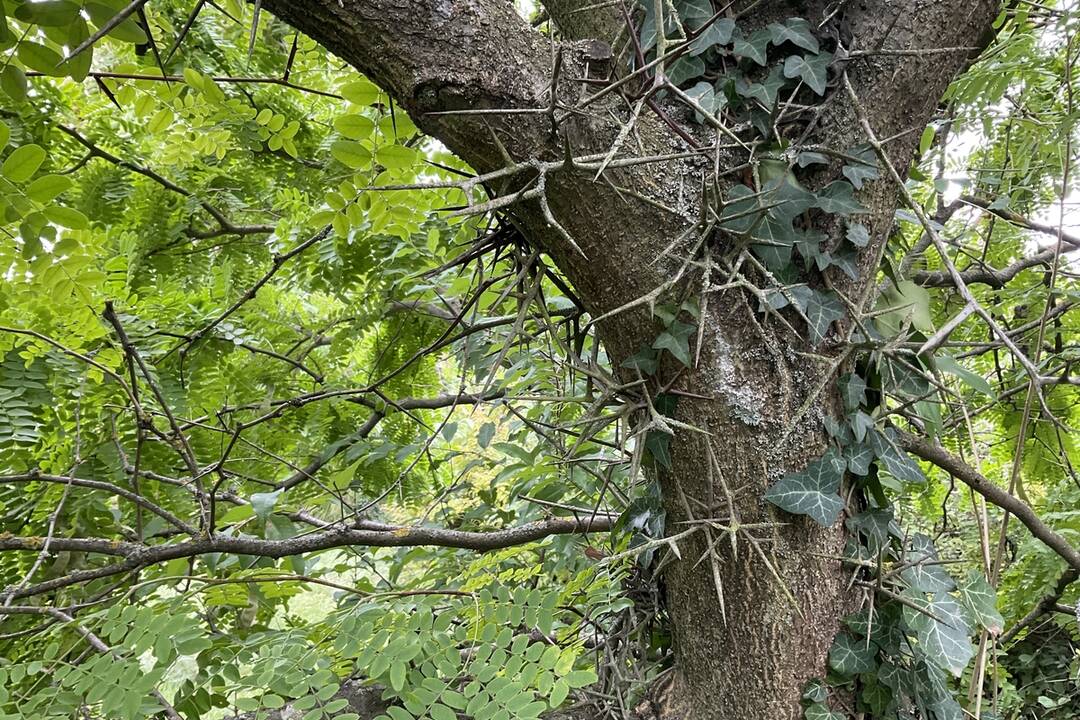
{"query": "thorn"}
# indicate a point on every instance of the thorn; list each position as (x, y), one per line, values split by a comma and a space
(498, 144)
(254, 29)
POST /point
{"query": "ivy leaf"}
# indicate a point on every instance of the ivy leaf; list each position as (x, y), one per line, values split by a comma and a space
(815, 691)
(852, 390)
(645, 360)
(813, 491)
(809, 247)
(902, 379)
(705, 95)
(805, 159)
(864, 169)
(719, 33)
(740, 211)
(925, 574)
(858, 457)
(657, 443)
(838, 197)
(878, 698)
(852, 656)
(685, 68)
(942, 635)
(875, 524)
(774, 240)
(753, 47)
(789, 197)
(822, 308)
(767, 92)
(820, 711)
(861, 424)
(694, 13)
(979, 598)
(676, 340)
(847, 260)
(858, 235)
(811, 69)
(907, 302)
(796, 31)
(894, 460)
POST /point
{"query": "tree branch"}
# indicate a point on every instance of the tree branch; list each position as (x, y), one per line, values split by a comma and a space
(140, 556)
(956, 467)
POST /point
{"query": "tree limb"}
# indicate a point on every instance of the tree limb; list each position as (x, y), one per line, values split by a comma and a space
(139, 556)
(942, 458)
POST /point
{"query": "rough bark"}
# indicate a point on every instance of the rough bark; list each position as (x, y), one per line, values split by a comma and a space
(439, 55)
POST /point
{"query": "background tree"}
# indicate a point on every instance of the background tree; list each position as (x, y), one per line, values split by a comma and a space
(285, 345)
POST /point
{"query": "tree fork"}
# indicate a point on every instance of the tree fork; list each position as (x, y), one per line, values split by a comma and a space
(781, 598)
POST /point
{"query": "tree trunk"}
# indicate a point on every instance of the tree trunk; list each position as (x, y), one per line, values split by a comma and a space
(756, 391)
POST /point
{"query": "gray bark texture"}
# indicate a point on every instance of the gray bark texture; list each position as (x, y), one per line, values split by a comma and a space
(440, 55)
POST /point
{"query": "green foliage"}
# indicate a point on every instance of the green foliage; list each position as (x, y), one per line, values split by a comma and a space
(261, 243)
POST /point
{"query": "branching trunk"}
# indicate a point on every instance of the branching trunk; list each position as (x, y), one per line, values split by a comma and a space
(758, 393)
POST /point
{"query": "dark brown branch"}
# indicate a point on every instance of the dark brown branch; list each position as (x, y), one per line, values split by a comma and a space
(959, 469)
(140, 556)
(985, 275)
(217, 78)
(1049, 603)
(103, 487)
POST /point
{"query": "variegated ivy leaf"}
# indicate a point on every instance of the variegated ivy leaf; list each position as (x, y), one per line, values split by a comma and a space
(753, 47)
(852, 390)
(838, 198)
(893, 459)
(925, 574)
(811, 69)
(850, 655)
(942, 634)
(812, 491)
(979, 598)
(863, 168)
(820, 711)
(796, 31)
(858, 457)
(718, 33)
(821, 310)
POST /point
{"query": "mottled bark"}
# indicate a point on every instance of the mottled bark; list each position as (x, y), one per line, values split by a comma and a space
(438, 55)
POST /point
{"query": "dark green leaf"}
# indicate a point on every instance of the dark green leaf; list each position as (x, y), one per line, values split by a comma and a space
(813, 491)
(811, 69)
(851, 655)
